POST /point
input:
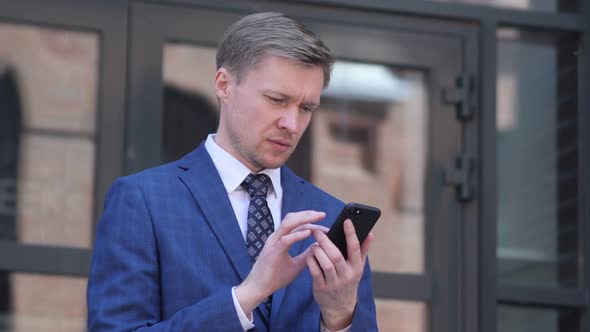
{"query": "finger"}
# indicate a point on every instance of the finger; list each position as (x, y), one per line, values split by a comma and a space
(353, 246)
(312, 228)
(365, 246)
(296, 219)
(326, 264)
(316, 271)
(285, 242)
(333, 253)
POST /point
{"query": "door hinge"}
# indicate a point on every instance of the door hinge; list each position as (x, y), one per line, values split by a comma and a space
(459, 177)
(460, 95)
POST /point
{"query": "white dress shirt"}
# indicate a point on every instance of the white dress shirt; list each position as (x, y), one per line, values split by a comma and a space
(233, 173)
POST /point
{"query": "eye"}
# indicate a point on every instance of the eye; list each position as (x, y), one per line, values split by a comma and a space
(309, 107)
(275, 100)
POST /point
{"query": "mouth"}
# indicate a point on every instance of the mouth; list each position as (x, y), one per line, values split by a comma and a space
(280, 145)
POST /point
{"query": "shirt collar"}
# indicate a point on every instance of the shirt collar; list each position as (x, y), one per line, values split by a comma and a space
(233, 172)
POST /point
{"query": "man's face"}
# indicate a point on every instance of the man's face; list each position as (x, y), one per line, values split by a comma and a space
(264, 115)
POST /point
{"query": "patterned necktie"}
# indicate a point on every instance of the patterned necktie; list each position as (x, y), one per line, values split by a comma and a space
(260, 223)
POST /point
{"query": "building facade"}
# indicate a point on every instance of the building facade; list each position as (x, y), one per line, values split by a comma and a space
(466, 121)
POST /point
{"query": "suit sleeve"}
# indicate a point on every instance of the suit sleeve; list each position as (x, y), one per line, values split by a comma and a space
(124, 284)
(364, 318)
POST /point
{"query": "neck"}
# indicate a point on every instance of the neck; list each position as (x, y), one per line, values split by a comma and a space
(224, 143)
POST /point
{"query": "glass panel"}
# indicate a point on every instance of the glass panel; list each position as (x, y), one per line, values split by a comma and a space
(370, 134)
(522, 319)
(62, 308)
(401, 316)
(191, 110)
(540, 5)
(48, 86)
(537, 158)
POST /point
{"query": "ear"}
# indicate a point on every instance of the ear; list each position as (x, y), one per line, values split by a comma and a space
(222, 83)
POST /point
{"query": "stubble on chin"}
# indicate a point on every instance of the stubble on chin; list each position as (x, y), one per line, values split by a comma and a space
(259, 163)
(270, 162)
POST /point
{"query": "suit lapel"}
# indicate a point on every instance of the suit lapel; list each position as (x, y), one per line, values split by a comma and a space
(204, 182)
(293, 201)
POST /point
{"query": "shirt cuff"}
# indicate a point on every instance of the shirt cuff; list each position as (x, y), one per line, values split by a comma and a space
(247, 324)
(324, 329)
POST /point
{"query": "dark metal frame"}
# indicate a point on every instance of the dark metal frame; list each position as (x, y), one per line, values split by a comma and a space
(108, 19)
(572, 298)
(487, 235)
(463, 12)
(584, 160)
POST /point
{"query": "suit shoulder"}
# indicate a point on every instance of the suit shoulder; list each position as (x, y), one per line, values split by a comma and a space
(150, 174)
(147, 181)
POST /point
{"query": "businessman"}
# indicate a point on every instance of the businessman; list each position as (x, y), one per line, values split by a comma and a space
(228, 238)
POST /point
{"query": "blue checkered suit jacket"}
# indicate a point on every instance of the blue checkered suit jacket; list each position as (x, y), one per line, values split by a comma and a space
(168, 250)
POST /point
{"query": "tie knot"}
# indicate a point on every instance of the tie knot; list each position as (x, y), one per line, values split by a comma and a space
(256, 184)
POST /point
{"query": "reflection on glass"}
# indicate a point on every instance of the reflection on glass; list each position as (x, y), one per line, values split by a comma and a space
(61, 308)
(63, 168)
(369, 146)
(48, 86)
(522, 319)
(401, 316)
(537, 159)
(190, 104)
(540, 5)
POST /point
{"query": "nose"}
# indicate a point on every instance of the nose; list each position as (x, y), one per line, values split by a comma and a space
(289, 120)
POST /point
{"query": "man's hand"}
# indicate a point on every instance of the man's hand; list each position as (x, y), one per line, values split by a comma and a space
(336, 280)
(275, 268)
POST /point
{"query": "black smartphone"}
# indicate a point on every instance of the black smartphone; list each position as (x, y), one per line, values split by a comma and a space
(363, 218)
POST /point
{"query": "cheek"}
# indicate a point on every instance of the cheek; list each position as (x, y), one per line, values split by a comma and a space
(304, 121)
(257, 121)
(245, 112)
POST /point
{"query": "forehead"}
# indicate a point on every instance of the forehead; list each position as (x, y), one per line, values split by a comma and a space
(274, 72)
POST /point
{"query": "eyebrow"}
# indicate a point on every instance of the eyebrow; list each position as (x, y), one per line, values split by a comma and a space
(311, 105)
(287, 97)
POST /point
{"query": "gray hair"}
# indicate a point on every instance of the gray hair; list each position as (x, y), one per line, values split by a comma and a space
(247, 41)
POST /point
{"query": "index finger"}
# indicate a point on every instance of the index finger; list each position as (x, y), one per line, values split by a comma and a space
(295, 219)
(353, 246)
(312, 227)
